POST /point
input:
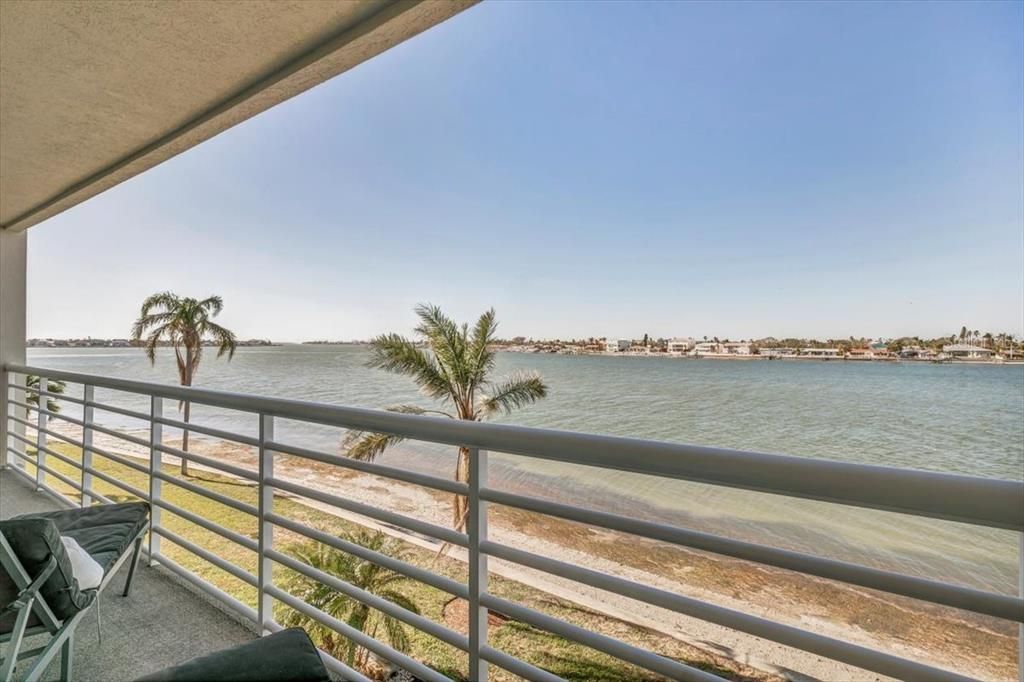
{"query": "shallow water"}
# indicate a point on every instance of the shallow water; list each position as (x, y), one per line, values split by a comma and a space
(967, 419)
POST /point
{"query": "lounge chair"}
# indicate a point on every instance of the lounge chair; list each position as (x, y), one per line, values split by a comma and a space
(39, 592)
(286, 656)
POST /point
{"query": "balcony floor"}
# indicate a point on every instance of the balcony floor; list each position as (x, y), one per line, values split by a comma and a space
(161, 623)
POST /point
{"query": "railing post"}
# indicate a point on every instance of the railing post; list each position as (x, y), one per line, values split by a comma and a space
(265, 609)
(40, 435)
(476, 527)
(5, 394)
(87, 417)
(156, 437)
(1020, 628)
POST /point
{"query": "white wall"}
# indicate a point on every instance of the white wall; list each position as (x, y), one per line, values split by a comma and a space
(12, 316)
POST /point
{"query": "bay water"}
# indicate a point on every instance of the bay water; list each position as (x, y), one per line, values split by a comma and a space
(964, 419)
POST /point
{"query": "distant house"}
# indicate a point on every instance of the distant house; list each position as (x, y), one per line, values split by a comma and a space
(777, 352)
(680, 346)
(966, 351)
(820, 352)
(707, 348)
(617, 345)
(737, 348)
(916, 353)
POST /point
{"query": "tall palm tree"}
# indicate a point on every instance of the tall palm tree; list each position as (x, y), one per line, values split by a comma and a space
(52, 386)
(455, 371)
(373, 578)
(184, 323)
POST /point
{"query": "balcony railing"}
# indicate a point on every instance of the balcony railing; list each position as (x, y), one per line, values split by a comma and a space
(977, 501)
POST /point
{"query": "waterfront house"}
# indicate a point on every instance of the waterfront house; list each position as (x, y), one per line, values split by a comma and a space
(680, 346)
(967, 351)
(96, 93)
(617, 345)
(777, 352)
(737, 348)
(707, 348)
(821, 353)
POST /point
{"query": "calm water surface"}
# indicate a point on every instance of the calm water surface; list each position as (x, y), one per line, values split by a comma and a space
(955, 418)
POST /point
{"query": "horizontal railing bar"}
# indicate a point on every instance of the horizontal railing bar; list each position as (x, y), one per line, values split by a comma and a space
(207, 461)
(57, 496)
(209, 494)
(131, 490)
(837, 650)
(516, 666)
(120, 459)
(953, 497)
(57, 415)
(118, 410)
(609, 645)
(207, 556)
(47, 469)
(209, 431)
(59, 396)
(342, 671)
(27, 423)
(19, 403)
(209, 588)
(425, 480)
(127, 437)
(410, 664)
(216, 528)
(397, 565)
(424, 527)
(62, 437)
(415, 620)
(969, 599)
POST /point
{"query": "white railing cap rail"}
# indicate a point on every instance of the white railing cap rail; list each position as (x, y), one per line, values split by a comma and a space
(982, 501)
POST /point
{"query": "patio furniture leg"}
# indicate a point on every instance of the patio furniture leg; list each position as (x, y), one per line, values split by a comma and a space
(131, 569)
(67, 654)
(14, 645)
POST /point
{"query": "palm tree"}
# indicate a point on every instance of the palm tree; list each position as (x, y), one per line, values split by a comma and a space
(185, 323)
(455, 371)
(372, 578)
(52, 385)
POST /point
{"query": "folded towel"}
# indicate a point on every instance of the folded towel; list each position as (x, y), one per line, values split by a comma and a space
(87, 572)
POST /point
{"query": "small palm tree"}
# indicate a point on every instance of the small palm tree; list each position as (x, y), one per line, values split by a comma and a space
(454, 369)
(52, 385)
(373, 578)
(185, 323)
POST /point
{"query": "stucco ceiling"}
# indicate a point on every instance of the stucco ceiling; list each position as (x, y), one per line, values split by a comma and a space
(94, 92)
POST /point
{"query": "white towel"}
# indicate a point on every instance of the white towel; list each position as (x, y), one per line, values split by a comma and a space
(87, 572)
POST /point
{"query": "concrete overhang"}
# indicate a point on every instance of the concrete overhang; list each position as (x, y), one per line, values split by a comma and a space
(95, 92)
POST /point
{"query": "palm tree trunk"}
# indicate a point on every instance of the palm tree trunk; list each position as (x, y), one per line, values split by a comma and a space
(460, 505)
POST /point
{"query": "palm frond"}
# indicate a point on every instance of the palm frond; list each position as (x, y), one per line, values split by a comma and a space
(514, 392)
(367, 447)
(480, 356)
(398, 355)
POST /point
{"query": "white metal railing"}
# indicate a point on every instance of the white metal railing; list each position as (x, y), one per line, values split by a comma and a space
(982, 502)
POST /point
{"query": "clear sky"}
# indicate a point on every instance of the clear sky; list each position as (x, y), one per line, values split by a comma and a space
(751, 169)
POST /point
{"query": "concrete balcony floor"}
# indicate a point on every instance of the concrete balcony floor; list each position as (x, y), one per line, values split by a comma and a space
(160, 624)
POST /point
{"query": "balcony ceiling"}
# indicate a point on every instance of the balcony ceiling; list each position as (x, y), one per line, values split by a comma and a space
(95, 92)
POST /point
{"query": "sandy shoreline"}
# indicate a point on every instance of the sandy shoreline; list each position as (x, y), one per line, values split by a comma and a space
(974, 645)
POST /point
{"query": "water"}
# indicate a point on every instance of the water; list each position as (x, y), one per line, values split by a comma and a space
(966, 419)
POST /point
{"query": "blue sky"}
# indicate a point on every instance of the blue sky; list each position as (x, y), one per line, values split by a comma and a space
(751, 169)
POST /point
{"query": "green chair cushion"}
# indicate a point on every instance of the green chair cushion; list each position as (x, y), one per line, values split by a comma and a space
(104, 531)
(285, 656)
(34, 541)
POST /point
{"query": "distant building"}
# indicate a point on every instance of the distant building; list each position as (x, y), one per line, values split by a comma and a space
(966, 351)
(617, 345)
(680, 346)
(820, 352)
(737, 348)
(777, 352)
(707, 348)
